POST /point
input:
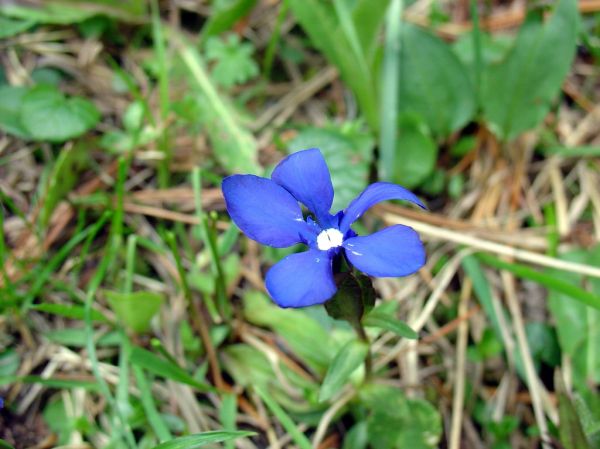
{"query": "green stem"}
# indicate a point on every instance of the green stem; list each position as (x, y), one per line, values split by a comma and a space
(362, 334)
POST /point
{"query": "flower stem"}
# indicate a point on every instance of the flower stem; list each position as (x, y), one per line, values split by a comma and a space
(360, 330)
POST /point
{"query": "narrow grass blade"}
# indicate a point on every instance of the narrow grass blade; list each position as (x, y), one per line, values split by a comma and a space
(297, 437)
(202, 439)
(390, 81)
(158, 425)
(164, 368)
(234, 146)
(546, 280)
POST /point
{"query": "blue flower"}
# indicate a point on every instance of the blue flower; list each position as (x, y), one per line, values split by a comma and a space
(267, 211)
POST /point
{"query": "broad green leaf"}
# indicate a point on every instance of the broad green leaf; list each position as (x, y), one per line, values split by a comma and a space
(58, 420)
(51, 13)
(368, 17)
(10, 107)
(223, 17)
(323, 26)
(587, 403)
(348, 152)
(433, 83)
(164, 368)
(543, 343)
(378, 318)
(202, 439)
(577, 325)
(570, 428)
(10, 27)
(67, 12)
(357, 437)
(47, 114)
(5, 445)
(416, 154)
(302, 333)
(247, 365)
(233, 145)
(394, 421)
(345, 362)
(517, 92)
(70, 311)
(493, 51)
(9, 362)
(135, 310)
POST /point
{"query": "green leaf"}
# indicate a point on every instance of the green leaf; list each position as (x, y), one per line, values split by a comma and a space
(543, 343)
(47, 114)
(59, 422)
(517, 92)
(247, 365)
(302, 333)
(135, 310)
(62, 178)
(10, 27)
(76, 337)
(297, 436)
(570, 428)
(416, 154)
(5, 445)
(70, 311)
(346, 361)
(378, 318)
(368, 17)
(52, 13)
(578, 325)
(582, 151)
(68, 12)
(10, 107)
(202, 439)
(234, 63)
(233, 145)
(337, 43)
(348, 152)
(164, 368)
(433, 83)
(394, 421)
(9, 362)
(551, 281)
(222, 18)
(357, 437)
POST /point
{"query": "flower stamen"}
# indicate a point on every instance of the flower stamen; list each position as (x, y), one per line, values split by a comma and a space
(329, 238)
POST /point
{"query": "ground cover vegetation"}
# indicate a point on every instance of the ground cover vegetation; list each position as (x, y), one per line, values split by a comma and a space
(133, 311)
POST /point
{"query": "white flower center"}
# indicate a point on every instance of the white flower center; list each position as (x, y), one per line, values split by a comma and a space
(329, 238)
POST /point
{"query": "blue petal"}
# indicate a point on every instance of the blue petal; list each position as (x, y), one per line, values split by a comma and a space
(301, 280)
(375, 193)
(265, 211)
(395, 251)
(306, 176)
